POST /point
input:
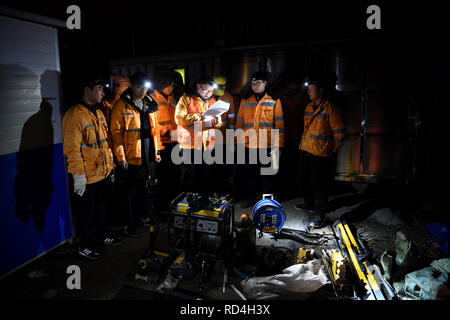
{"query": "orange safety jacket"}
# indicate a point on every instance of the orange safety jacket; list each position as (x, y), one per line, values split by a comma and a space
(166, 115)
(228, 118)
(185, 114)
(85, 143)
(126, 132)
(324, 129)
(108, 102)
(262, 117)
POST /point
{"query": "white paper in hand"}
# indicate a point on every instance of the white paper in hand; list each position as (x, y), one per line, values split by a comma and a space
(216, 110)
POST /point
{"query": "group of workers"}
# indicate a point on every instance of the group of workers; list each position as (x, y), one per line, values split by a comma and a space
(131, 138)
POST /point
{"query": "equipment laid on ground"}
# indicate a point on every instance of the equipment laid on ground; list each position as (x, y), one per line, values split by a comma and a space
(351, 267)
(268, 215)
(210, 220)
(203, 230)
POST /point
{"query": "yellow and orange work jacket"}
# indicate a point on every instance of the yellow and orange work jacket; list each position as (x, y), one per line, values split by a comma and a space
(262, 117)
(86, 144)
(186, 113)
(126, 132)
(324, 129)
(166, 115)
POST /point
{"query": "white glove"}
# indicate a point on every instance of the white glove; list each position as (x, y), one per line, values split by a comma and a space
(79, 184)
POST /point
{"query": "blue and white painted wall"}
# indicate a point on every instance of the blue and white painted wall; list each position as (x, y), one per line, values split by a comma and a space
(35, 212)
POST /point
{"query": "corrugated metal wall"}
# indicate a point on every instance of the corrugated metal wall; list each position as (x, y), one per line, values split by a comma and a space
(35, 215)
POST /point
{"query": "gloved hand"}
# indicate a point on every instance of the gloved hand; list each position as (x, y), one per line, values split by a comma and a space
(124, 164)
(79, 184)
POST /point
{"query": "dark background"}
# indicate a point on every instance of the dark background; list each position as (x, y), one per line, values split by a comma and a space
(413, 35)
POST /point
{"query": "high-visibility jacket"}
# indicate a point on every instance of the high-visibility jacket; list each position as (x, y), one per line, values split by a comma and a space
(126, 132)
(108, 102)
(293, 113)
(188, 108)
(262, 116)
(323, 130)
(85, 143)
(166, 115)
(228, 118)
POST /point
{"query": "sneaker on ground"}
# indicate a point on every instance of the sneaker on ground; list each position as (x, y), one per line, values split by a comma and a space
(112, 241)
(92, 255)
(130, 232)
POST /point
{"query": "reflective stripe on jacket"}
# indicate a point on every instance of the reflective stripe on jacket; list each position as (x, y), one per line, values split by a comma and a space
(86, 143)
(166, 115)
(262, 116)
(185, 114)
(324, 129)
(126, 132)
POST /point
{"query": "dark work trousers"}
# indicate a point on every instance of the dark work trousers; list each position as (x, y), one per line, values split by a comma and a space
(168, 178)
(314, 179)
(222, 171)
(195, 177)
(256, 183)
(135, 200)
(90, 211)
(287, 175)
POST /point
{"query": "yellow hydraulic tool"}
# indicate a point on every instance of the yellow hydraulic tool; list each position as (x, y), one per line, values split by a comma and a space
(356, 256)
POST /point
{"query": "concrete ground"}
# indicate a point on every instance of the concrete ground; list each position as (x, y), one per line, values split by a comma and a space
(376, 215)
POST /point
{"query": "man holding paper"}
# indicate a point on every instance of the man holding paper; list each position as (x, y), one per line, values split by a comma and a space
(196, 134)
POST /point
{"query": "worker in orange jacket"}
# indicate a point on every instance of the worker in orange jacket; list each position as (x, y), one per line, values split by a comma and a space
(168, 175)
(259, 113)
(120, 84)
(224, 172)
(323, 132)
(196, 135)
(294, 100)
(90, 161)
(137, 145)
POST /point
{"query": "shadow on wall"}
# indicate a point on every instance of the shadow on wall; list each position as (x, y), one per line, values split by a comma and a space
(33, 183)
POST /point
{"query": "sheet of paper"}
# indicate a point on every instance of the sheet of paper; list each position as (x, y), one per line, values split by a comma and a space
(216, 110)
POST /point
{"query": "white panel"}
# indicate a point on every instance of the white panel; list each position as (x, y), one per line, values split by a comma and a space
(29, 72)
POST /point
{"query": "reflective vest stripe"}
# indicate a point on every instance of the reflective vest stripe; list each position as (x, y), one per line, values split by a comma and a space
(323, 138)
(93, 143)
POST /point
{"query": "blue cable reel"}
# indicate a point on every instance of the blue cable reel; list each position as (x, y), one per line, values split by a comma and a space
(268, 215)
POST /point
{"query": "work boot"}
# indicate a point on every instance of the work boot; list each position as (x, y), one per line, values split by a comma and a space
(130, 232)
(317, 220)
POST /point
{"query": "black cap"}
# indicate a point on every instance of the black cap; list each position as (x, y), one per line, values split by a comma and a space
(138, 78)
(259, 75)
(206, 80)
(164, 79)
(93, 79)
